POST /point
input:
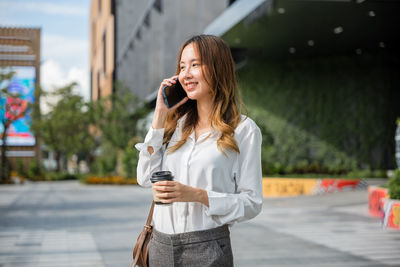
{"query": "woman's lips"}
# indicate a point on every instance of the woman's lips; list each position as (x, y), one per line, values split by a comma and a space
(191, 85)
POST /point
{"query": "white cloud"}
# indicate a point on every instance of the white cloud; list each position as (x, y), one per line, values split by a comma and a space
(45, 8)
(65, 60)
(70, 51)
(52, 76)
(81, 76)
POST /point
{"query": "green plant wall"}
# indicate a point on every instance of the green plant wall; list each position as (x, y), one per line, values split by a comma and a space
(324, 115)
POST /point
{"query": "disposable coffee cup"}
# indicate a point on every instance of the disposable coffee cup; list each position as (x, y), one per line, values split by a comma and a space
(157, 177)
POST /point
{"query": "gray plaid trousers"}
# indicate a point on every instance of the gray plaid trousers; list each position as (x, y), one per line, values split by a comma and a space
(206, 248)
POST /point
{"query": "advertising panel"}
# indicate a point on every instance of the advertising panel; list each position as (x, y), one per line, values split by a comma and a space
(19, 132)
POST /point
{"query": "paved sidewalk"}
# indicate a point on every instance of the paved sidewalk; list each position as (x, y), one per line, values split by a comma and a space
(69, 224)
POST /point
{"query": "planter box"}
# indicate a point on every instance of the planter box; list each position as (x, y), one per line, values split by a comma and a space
(391, 217)
(289, 187)
(338, 185)
(376, 197)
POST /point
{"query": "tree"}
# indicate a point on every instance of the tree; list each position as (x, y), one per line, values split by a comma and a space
(116, 117)
(12, 108)
(65, 129)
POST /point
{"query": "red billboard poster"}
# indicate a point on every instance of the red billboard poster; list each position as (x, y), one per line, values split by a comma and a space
(23, 83)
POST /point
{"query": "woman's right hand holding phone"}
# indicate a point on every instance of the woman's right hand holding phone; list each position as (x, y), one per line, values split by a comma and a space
(161, 111)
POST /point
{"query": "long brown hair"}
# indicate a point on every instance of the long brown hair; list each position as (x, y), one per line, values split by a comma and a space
(219, 70)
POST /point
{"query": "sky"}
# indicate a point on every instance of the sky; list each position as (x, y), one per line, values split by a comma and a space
(64, 38)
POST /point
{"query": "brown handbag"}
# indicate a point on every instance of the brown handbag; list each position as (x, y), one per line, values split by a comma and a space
(141, 250)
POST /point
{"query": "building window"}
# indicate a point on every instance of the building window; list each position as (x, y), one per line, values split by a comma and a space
(99, 3)
(113, 6)
(94, 37)
(91, 84)
(158, 6)
(147, 20)
(138, 34)
(104, 53)
(98, 86)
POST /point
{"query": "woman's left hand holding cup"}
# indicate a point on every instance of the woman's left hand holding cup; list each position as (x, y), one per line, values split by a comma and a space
(173, 191)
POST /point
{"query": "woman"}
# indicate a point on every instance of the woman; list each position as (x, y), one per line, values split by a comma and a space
(213, 152)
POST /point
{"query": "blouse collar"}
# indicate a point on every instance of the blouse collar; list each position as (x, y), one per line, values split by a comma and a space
(211, 133)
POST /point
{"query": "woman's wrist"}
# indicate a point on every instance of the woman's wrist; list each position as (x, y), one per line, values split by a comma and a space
(202, 196)
(158, 120)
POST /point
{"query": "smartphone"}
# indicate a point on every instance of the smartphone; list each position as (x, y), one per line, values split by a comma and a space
(173, 94)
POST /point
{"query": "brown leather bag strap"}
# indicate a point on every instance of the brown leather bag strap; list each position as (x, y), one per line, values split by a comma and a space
(150, 217)
(142, 236)
(140, 241)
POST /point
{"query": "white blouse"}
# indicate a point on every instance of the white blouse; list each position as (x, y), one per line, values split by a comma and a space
(233, 182)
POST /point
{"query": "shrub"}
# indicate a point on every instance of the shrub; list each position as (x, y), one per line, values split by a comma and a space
(105, 164)
(394, 185)
(363, 174)
(36, 171)
(305, 116)
(61, 176)
(7, 174)
(116, 180)
(20, 168)
(130, 161)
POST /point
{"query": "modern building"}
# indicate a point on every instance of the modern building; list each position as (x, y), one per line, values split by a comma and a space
(325, 70)
(281, 29)
(20, 52)
(136, 42)
(101, 48)
(323, 77)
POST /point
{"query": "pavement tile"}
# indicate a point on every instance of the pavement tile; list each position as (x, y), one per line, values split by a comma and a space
(69, 224)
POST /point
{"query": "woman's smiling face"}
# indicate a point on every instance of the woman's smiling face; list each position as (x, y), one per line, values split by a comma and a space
(191, 74)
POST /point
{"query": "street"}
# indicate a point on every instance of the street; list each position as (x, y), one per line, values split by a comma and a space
(70, 224)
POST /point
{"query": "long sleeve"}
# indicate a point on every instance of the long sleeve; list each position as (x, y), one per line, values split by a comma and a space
(246, 203)
(149, 163)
